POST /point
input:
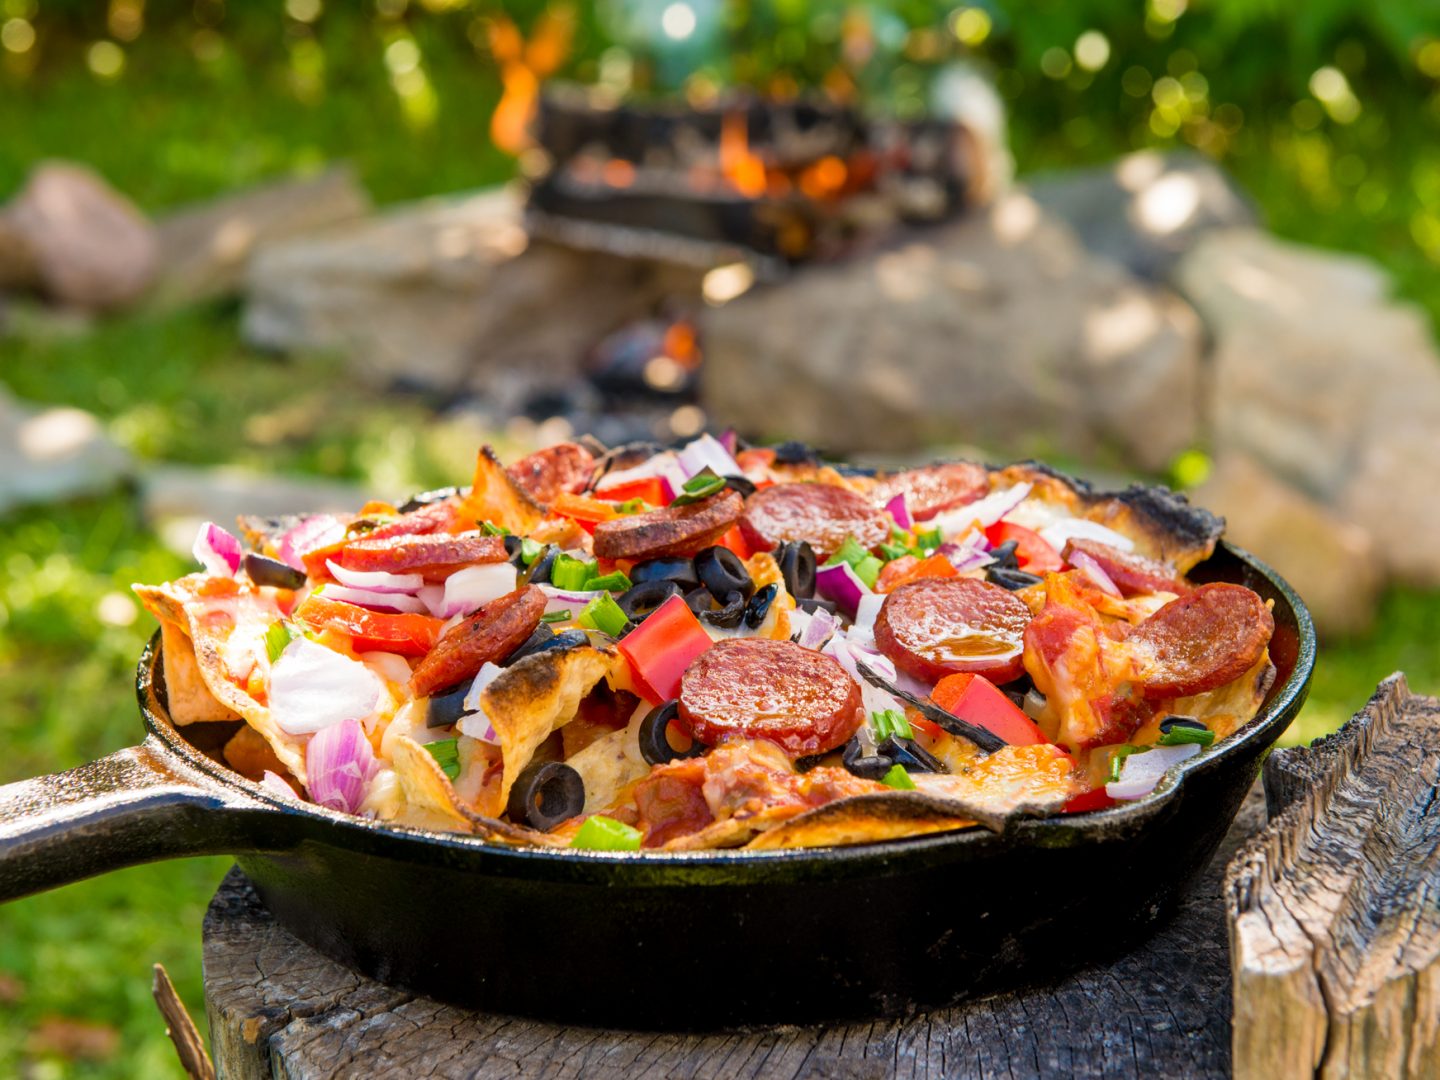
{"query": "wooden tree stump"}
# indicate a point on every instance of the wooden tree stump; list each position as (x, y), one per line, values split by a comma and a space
(279, 1009)
(1335, 907)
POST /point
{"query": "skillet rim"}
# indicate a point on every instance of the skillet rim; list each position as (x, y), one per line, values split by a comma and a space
(1117, 822)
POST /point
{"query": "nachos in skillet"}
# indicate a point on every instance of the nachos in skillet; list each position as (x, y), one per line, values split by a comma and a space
(717, 647)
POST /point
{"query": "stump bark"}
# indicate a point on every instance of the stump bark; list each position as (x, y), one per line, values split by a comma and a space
(1335, 907)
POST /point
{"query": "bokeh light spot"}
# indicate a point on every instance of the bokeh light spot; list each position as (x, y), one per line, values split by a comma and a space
(106, 59)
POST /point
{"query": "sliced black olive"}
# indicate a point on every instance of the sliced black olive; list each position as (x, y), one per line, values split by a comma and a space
(729, 616)
(797, 564)
(794, 453)
(700, 601)
(805, 764)
(759, 605)
(911, 754)
(425, 498)
(570, 639)
(862, 758)
(640, 600)
(1010, 579)
(512, 550)
(743, 484)
(546, 794)
(680, 571)
(263, 571)
(722, 572)
(655, 746)
(539, 572)
(1181, 722)
(447, 707)
(1004, 556)
(537, 640)
(1017, 688)
(812, 604)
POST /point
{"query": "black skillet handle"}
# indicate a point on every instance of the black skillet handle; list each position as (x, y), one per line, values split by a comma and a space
(134, 806)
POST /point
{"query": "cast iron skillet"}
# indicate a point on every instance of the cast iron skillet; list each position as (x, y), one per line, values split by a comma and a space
(684, 940)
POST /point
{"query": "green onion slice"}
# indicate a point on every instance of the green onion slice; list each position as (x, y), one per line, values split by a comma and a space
(556, 616)
(601, 833)
(1178, 736)
(603, 614)
(898, 778)
(276, 638)
(447, 753)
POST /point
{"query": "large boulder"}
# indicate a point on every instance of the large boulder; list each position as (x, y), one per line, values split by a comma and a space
(84, 244)
(999, 329)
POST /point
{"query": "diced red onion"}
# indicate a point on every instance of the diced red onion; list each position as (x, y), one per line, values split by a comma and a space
(275, 784)
(1067, 529)
(1141, 772)
(374, 580)
(475, 723)
(845, 653)
(652, 466)
(1087, 565)
(819, 628)
(730, 440)
(705, 452)
(964, 557)
(316, 531)
(433, 597)
(375, 600)
(899, 508)
(573, 600)
(217, 550)
(476, 586)
(840, 584)
(339, 763)
(986, 511)
(312, 687)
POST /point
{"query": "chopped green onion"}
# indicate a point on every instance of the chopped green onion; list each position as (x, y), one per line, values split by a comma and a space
(880, 722)
(700, 486)
(894, 551)
(636, 505)
(276, 638)
(615, 581)
(601, 833)
(1118, 756)
(900, 724)
(447, 753)
(489, 528)
(868, 570)
(891, 722)
(556, 616)
(899, 535)
(530, 550)
(898, 778)
(849, 552)
(1178, 736)
(603, 614)
(569, 573)
(928, 539)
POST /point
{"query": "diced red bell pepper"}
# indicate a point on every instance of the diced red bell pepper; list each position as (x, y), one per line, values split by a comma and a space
(649, 489)
(661, 648)
(406, 634)
(1095, 799)
(734, 539)
(978, 700)
(1034, 555)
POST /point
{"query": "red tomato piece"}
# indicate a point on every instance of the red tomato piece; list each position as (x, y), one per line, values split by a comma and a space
(1090, 800)
(1033, 553)
(650, 489)
(978, 700)
(735, 541)
(661, 648)
(406, 634)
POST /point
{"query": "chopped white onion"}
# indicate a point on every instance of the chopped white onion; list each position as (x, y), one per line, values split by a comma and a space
(1139, 773)
(1066, 529)
(217, 550)
(433, 597)
(653, 466)
(819, 627)
(316, 531)
(986, 511)
(706, 453)
(370, 598)
(374, 580)
(312, 687)
(475, 723)
(475, 586)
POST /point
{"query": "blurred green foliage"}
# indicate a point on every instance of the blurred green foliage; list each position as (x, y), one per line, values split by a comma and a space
(1326, 110)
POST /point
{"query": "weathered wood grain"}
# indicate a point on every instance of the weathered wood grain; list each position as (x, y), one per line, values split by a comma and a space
(279, 1009)
(1335, 907)
(189, 1046)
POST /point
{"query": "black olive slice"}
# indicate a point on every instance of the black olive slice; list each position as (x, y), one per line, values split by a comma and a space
(640, 600)
(759, 605)
(513, 544)
(539, 572)
(1004, 556)
(743, 484)
(545, 794)
(911, 754)
(1181, 722)
(1010, 579)
(794, 453)
(655, 745)
(729, 616)
(534, 643)
(797, 564)
(425, 498)
(862, 758)
(700, 601)
(266, 571)
(812, 604)
(446, 708)
(680, 571)
(722, 572)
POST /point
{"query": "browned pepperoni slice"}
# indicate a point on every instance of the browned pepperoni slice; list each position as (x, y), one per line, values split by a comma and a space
(1132, 574)
(488, 636)
(671, 530)
(935, 488)
(556, 470)
(1205, 639)
(435, 556)
(755, 688)
(820, 514)
(935, 627)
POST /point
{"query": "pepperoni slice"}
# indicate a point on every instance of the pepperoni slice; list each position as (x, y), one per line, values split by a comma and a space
(564, 468)
(1204, 639)
(755, 688)
(935, 627)
(935, 488)
(671, 530)
(488, 636)
(820, 514)
(435, 556)
(1132, 574)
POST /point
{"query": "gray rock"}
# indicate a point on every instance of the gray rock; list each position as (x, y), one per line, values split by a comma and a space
(204, 249)
(90, 247)
(999, 329)
(50, 454)
(1146, 209)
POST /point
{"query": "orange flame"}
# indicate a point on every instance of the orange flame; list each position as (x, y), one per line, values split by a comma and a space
(744, 170)
(523, 66)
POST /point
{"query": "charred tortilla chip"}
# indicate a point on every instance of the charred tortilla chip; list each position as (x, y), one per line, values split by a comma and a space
(495, 496)
(251, 756)
(429, 800)
(187, 697)
(863, 819)
(607, 766)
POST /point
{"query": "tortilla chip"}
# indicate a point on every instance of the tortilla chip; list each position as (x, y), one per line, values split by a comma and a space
(187, 697)
(496, 497)
(1228, 708)
(864, 819)
(607, 765)
(429, 800)
(251, 756)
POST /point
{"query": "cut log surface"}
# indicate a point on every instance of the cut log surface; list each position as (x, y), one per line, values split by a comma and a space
(279, 1009)
(1335, 907)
